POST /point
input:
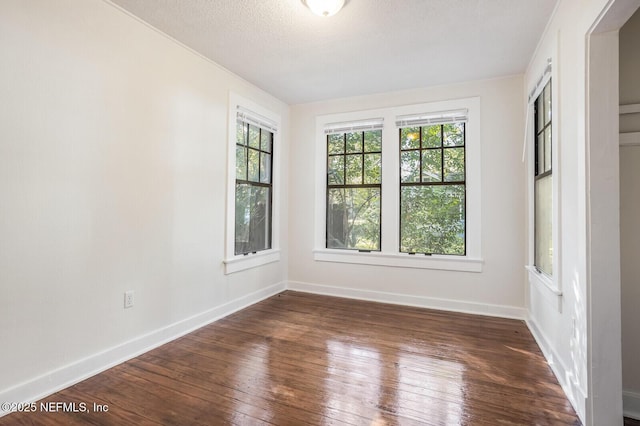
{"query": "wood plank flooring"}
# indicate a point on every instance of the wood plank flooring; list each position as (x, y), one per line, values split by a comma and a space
(298, 358)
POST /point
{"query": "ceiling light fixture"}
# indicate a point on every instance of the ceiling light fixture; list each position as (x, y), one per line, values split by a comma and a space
(324, 8)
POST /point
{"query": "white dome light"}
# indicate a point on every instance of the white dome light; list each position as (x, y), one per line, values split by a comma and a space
(324, 8)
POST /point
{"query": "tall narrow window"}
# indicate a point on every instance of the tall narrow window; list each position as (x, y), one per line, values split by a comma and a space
(254, 190)
(354, 178)
(433, 188)
(543, 183)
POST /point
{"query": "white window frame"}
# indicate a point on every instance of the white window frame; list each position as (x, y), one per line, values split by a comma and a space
(232, 262)
(549, 286)
(390, 254)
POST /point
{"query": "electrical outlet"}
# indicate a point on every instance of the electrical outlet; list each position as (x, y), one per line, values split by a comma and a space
(128, 299)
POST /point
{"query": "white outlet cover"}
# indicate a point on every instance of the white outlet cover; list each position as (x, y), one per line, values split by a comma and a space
(128, 299)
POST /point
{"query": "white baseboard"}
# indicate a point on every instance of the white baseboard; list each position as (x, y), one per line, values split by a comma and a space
(501, 311)
(572, 389)
(631, 404)
(565, 377)
(56, 380)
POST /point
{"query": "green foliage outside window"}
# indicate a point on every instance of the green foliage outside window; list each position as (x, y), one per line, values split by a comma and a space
(354, 177)
(432, 189)
(254, 147)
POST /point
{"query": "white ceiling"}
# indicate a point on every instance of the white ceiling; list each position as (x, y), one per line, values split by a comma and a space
(371, 46)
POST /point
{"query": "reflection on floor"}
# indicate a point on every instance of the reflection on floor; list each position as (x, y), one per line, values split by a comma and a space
(298, 358)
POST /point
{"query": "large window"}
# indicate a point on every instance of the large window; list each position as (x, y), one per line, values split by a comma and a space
(432, 189)
(543, 199)
(354, 177)
(543, 183)
(254, 149)
(402, 189)
(252, 227)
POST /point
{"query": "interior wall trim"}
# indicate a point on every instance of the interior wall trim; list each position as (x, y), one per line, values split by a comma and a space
(501, 311)
(565, 377)
(630, 139)
(61, 378)
(56, 380)
(631, 404)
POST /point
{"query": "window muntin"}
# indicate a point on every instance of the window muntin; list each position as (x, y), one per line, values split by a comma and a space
(465, 110)
(543, 183)
(354, 190)
(253, 188)
(433, 189)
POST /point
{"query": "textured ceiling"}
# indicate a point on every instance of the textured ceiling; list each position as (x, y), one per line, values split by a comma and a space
(371, 46)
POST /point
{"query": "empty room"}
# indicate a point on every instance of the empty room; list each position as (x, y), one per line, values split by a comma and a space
(356, 212)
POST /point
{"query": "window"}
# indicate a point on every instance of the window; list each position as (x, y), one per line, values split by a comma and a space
(543, 183)
(543, 190)
(432, 189)
(354, 177)
(402, 192)
(254, 148)
(252, 228)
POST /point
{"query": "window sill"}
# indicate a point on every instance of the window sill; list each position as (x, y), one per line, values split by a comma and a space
(444, 263)
(252, 260)
(546, 287)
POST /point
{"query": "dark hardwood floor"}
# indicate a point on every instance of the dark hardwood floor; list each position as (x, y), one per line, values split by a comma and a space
(306, 359)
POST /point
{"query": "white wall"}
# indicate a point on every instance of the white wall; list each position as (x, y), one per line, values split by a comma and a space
(112, 177)
(582, 337)
(500, 285)
(630, 267)
(552, 323)
(629, 216)
(629, 71)
(113, 142)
